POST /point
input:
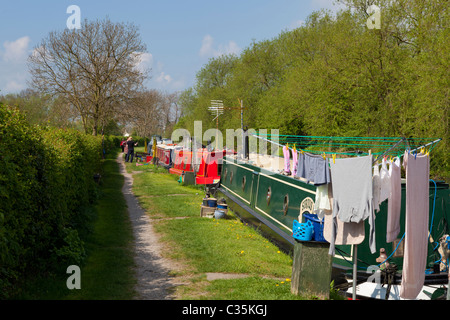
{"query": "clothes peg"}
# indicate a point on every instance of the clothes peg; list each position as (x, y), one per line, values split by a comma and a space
(334, 158)
(324, 156)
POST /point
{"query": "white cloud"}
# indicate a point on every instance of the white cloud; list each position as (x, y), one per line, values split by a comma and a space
(143, 60)
(13, 65)
(16, 51)
(164, 78)
(207, 49)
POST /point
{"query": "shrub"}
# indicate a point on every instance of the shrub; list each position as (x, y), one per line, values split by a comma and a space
(46, 181)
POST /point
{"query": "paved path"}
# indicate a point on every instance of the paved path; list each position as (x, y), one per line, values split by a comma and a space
(152, 271)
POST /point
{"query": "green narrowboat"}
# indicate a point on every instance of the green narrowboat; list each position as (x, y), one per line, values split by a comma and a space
(272, 201)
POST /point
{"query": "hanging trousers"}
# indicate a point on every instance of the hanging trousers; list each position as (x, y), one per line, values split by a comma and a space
(416, 224)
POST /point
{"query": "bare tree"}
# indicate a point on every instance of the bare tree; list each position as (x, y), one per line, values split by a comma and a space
(151, 112)
(94, 68)
(144, 112)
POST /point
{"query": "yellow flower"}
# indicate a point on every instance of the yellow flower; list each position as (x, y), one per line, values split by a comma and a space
(288, 280)
(278, 252)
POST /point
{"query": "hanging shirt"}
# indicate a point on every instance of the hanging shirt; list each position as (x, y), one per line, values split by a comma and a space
(353, 194)
(394, 201)
(416, 224)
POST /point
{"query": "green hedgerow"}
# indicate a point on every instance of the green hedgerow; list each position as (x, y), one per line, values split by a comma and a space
(46, 182)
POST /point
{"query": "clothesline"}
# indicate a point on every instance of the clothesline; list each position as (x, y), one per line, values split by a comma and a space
(358, 189)
(351, 146)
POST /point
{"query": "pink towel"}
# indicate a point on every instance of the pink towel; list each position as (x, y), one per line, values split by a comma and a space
(394, 202)
(416, 224)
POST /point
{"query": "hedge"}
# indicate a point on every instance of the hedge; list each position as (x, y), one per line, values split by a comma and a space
(46, 182)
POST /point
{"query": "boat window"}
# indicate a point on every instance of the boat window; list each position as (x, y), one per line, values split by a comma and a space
(286, 204)
(225, 174)
(269, 195)
(243, 183)
(231, 176)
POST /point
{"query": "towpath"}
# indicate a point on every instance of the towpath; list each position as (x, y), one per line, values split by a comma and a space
(152, 270)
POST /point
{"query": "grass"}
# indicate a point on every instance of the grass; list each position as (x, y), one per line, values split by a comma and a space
(201, 245)
(107, 271)
(206, 245)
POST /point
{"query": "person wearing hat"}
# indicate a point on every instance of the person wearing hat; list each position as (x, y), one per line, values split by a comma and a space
(131, 144)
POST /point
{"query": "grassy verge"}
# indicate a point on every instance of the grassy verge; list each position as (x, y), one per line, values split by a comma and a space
(205, 245)
(107, 271)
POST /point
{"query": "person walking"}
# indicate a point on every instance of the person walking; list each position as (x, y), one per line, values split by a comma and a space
(130, 153)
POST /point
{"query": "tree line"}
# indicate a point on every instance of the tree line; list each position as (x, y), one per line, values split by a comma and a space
(334, 76)
(149, 112)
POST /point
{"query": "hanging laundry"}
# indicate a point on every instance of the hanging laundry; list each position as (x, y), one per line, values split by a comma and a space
(376, 187)
(385, 183)
(294, 161)
(287, 161)
(352, 195)
(322, 202)
(300, 165)
(394, 201)
(313, 168)
(416, 224)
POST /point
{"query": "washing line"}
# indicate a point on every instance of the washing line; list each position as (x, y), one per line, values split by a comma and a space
(350, 146)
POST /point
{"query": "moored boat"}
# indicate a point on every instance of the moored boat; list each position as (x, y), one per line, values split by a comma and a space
(260, 192)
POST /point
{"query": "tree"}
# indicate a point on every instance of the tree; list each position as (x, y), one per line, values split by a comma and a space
(335, 76)
(95, 68)
(151, 112)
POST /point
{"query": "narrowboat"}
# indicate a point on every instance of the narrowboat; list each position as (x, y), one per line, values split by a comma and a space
(258, 191)
(203, 169)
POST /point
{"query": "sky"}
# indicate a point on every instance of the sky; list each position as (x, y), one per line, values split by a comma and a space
(181, 36)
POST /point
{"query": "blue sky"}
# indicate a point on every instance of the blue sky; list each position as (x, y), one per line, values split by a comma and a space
(180, 35)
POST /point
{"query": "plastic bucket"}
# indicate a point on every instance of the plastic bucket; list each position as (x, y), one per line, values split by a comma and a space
(302, 231)
(219, 214)
(212, 202)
